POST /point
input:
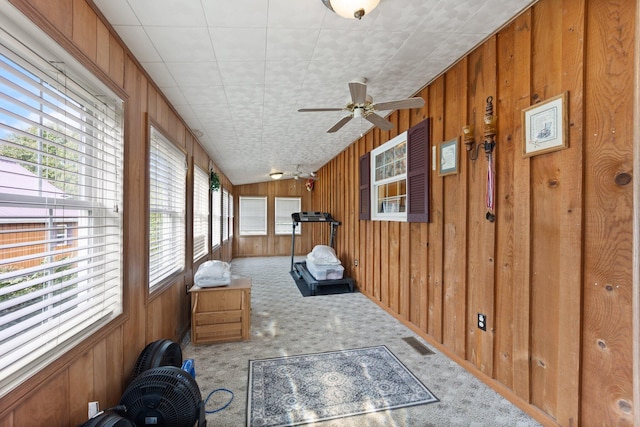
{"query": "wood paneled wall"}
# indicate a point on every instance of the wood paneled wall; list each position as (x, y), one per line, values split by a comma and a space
(99, 368)
(272, 244)
(553, 273)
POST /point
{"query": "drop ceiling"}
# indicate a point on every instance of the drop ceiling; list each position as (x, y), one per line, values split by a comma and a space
(237, 71)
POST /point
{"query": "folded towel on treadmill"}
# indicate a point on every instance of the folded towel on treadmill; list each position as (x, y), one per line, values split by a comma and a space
(323, 255)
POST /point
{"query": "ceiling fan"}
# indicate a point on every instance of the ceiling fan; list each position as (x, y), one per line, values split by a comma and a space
(297, 174)
(361, 105)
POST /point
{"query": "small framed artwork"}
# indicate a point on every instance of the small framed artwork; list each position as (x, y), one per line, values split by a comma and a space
(448, 154)
(545, 126)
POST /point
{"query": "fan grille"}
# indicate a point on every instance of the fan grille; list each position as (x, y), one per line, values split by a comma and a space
(162, 352)
(166, 396)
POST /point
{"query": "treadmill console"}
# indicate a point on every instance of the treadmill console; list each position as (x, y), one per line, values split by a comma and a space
(311, 217)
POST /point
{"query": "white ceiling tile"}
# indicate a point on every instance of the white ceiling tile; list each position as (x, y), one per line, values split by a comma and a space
(160, 74)
(176, 97)
(139, 43)
(242, 72)
(180, 44)
(118, 12)
(204, 95)
(195, 73)
(236, 13)
(291, 44)
(307, 14)
(169, 13)
(238, 44)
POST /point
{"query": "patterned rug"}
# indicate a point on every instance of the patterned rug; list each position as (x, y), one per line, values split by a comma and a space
(294, 390)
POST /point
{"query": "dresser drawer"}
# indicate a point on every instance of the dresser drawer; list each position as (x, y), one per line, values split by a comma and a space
(221, 314)
(213, 317)
(219, 333)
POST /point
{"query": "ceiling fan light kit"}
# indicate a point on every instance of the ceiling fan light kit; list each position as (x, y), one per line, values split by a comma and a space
(351, 9)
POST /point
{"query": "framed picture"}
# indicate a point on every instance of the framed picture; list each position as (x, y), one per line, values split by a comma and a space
(448, 154)
(545, 126)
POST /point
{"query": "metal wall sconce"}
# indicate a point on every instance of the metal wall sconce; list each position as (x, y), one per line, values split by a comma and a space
(489, 142)
(487, 145)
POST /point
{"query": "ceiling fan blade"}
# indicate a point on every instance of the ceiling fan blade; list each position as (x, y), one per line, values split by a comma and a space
(401, 104)
(343, 121)
(311, 110)
(358, 92)
(379, 121)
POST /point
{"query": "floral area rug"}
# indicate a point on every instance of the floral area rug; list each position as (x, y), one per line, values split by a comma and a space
(294, 390)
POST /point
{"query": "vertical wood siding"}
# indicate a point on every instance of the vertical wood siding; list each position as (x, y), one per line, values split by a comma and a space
(553, 272)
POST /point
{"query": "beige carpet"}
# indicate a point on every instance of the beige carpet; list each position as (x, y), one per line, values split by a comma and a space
(283, 323)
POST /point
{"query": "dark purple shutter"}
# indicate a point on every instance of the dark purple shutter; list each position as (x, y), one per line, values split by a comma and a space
(418, 171)
(365, 185)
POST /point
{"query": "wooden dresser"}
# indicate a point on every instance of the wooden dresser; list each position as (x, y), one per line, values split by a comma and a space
(222, 313)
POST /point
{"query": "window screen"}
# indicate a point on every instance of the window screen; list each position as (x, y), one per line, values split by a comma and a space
(60, 210)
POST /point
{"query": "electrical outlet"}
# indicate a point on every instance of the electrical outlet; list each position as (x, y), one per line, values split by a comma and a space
(94, 408)
(355, 263)
(482, 321)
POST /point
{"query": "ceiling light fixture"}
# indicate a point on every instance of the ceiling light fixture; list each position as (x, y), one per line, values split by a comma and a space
(351, 9)
(276, 175)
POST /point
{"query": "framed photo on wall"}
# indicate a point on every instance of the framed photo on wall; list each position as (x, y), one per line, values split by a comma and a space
(448, 155)
(545, 126)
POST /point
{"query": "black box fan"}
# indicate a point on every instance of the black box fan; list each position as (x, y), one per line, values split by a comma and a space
(158, 353)
(108, 419)
(164, 396)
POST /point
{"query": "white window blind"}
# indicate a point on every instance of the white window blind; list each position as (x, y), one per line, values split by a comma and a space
(225, 215)
(216, 218)
(253, 216)
(284, 207)
(230, 220)
(60, 201)
(200, 213)
(167, 196)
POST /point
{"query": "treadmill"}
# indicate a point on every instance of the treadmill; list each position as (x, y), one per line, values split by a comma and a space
(299, 269)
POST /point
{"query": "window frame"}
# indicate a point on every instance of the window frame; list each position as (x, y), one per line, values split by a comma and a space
(400, 179)
(200, 214)
(256, 199)
(216, 218)
(166, 279)
(289, 222)
(76, 97)
(225, 216)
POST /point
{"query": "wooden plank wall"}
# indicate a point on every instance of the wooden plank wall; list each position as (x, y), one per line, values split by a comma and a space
(553, 273)
(99, 368)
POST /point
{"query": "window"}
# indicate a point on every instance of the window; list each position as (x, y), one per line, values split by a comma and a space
(394, 178)
(225, 215)
(253, 216)
(230, 219)
(200, 213)
(60, 201)
(285, 206)
(216, 218)
(167, 182)
(389, 178)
